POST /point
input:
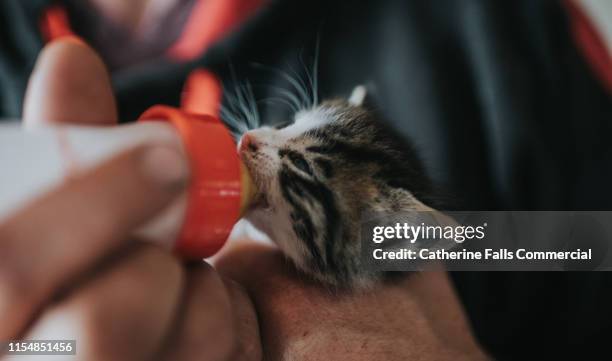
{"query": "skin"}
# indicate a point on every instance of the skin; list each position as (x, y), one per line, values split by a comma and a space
(68, 268)
(122, 300)
(416, 318)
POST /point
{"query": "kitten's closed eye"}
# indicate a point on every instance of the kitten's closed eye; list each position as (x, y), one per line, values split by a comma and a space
(319, 174)
(297, 160)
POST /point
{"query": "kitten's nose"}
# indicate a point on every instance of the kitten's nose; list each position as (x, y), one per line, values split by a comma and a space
(248, 143)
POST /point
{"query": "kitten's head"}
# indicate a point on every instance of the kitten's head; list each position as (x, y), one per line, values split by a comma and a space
(317, 177)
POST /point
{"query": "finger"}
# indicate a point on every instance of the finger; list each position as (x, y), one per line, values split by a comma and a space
(251, 262)
(122, 314)
(218, 321)
(69, 84)
(65, 232)
(300, 319)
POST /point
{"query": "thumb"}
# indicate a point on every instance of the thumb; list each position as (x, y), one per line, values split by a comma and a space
(69, 84)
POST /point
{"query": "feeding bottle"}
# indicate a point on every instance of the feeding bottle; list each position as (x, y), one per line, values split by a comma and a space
(195, 226)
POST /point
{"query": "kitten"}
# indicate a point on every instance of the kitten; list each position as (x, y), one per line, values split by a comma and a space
(318, 176)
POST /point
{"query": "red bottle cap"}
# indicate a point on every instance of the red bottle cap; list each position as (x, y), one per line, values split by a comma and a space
(213, 205)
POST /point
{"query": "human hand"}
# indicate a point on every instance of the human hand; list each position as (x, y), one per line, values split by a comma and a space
(415, 318)
(67, 267)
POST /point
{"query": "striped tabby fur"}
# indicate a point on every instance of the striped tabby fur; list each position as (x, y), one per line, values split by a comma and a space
(318, 175)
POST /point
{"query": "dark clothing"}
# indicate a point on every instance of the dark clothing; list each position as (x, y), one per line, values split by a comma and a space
(501, 104)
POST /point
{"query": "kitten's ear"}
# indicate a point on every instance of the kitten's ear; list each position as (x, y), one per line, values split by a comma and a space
(358, 95)
(437, 216)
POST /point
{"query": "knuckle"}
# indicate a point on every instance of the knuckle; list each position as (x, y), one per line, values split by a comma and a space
(246, 329)
(88, 325)
(14, 286)
(216, 329)
(112, 331)
(119, 319)
(97, 334)
(156, 265)
(17, 286)
(228, 341)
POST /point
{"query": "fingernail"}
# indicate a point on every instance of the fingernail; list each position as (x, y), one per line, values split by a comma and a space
(166, 166)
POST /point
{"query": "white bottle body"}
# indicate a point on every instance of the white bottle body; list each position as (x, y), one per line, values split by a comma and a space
(34, 162)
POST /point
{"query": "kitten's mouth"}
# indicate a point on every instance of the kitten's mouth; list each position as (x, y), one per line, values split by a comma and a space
(260, 201)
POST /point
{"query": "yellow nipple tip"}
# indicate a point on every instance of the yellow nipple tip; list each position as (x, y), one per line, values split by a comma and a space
(248, 191)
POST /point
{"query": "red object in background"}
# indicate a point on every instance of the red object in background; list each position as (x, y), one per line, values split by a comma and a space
(590, 43)
(213, 204)
(55, 23)
(210, 20)
(202, 93)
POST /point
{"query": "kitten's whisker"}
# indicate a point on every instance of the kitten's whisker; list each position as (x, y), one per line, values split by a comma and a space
(233, 97)
(305, 87)
(243, 101)
(292, 98)
(310, 79)
(290, 79)
(253, 105)
(238, 106)
(232, 101)
(315, 72)
(231, 120)
(281, 100)
(236, 135)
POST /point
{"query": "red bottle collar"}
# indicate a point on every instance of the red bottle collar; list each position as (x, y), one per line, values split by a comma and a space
(214, 195)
